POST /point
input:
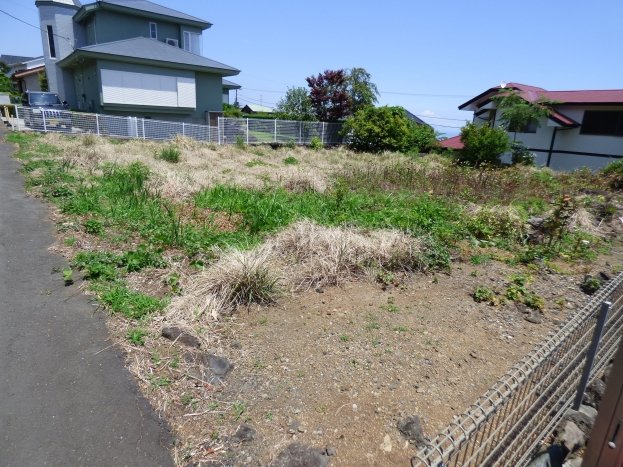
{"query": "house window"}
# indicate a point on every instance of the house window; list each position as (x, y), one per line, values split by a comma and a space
(192, 42)
(173, 42)
(51, 42)
(531, 127)
(602, 123)
(153, 30)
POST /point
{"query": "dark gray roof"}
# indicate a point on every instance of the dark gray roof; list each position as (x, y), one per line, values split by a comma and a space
(230, 84)
(151, 49)
(150, 7)
(11, 59)
(416, 119)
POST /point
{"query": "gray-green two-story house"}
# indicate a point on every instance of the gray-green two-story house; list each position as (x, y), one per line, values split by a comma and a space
(131, 57)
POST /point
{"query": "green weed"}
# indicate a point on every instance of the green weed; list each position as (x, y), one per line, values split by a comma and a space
(290, 161)
(484, 294)
(170, 154)
(136, 336)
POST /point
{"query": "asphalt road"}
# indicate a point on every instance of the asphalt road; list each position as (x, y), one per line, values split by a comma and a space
(61, 402)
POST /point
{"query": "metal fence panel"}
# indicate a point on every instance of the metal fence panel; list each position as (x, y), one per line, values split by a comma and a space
(228, 132)
(508, 423)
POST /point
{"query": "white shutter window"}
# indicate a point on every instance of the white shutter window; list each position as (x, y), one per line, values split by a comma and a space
(186, 93)
(124, 87)
(192, 42)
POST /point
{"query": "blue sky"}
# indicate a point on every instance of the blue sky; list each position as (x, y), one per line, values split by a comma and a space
(434, 48)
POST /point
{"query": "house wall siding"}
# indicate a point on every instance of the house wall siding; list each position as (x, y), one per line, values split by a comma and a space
(570, 140)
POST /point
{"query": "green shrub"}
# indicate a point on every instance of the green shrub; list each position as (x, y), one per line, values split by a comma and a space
(93, 226)
(315, 143)
(231, 111)
(483, 144)
(290, 144)
(240, 143)
(521, 155)
(485, 294)
(290, 161)
(170, 154)
(378, 129)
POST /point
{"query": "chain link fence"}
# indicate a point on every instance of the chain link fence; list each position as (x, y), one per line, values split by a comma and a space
(507, 424)
(228, 131)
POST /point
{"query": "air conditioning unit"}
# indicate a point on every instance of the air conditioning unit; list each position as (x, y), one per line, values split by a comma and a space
(173, 42)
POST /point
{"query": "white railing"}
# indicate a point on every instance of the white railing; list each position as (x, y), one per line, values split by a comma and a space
(255, 130)
(228, 131)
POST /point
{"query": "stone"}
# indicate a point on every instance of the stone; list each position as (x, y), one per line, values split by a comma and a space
(244, 433)
(331, 451)
(299, 455)
(533, 317)
(177, 335)
(319, 290)
(575, 462)
(594, 393)
(571, 437)
(536, 222)
(386, 445)
(590, 412)
(411, 429)
(553, 457)
(523, 308)
(216, 368)
(583, 421)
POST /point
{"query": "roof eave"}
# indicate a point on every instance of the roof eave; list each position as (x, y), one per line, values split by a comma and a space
(50, 2)
(86, 10)
(74, 56)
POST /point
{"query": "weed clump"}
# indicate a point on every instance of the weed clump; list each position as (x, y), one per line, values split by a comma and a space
(290, 161)
(315, 143)
(170, 154)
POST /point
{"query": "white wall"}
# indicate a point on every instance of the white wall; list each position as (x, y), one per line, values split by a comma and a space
(570, 140)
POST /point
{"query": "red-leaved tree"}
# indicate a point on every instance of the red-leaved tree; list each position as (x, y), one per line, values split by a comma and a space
(329, 95)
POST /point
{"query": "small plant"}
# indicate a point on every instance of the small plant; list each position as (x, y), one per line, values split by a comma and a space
(158, 382)
(401, 329)
(561, 302)
(474, 273)
(256, 162)
(591, 285)
(291, 144)
(170, 154)
(321, 409)
(534, 301)
(263, 320)
(479, 259)
(68, 276)
(268, 416)
(136, 336)
(93, 226)
(485, 294)
(70, 241)
(290, 161)
(435, 280)
(240, 142)
(344, 338)
(187, 399)
(89, 140)
(173, 281)
(238, 408)
(315, 143)
(155, 357)
(259, 364)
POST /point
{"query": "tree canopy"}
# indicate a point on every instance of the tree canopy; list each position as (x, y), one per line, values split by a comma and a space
(6, 85)
(483, 144)
(329, 96)
(377, 129)
(517, 112)
(295, 105)
(361, 90)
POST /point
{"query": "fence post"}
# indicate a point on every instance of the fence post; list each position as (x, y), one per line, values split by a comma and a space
(143, 125)
(301, 132)
(219, 130)
(45, 127)
(17, 118)
(322, 133)
(97, 124)
(247, 131)
(183, 129)
(275, 130)
(592, 352)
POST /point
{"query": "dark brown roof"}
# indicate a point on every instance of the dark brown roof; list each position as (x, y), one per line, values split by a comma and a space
(453, 143)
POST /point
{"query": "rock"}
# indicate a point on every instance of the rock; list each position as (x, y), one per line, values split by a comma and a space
(575, 462)
(177, 335)
(533, 317)
(393, 385)
(244, 433)
(411, 429)
(604, 277)
(571, 437)
(607, 372)
(386, 445)
(236, 345)
(522, 308)
(319, 290)
(299, 455)
(583, 421)
(594, 393)
(536, 222)
(553, 457)
(473, 354)
(216, 368)
(331, 451)
(590, 412)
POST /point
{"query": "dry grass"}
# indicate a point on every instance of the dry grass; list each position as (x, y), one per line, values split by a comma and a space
(203, 165)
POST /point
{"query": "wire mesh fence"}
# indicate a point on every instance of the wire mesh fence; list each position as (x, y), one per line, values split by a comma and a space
(251, 131)
(228, 131)
(507, 424)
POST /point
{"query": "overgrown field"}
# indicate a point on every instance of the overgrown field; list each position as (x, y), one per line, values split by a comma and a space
(188, 234)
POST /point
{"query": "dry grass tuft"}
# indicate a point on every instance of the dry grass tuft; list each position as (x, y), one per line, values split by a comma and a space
(585, 221)
(330, 255)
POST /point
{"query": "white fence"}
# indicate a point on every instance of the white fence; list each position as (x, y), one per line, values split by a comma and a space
(228, 131)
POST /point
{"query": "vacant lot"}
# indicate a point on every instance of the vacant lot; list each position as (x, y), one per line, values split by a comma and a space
(347, 290)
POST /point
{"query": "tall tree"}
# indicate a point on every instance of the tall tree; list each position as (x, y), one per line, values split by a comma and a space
(295, 105)
(329, 95)
(517, 112)
(6, 85)
(362, 91)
